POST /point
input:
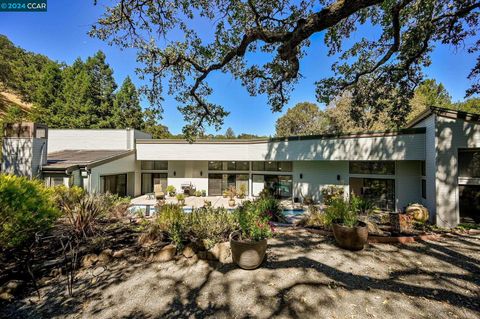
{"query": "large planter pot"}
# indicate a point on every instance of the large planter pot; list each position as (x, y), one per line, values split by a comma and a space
(247, 254)
(231, 202)
(351, 238)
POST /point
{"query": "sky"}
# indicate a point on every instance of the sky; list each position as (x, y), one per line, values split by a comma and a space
(61, 34)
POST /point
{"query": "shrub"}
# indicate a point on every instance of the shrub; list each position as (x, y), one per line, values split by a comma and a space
(253, 221)
(26, 207)
(315, 217)
(171, 190)
(171, 219)
(83, 214)
(343, 212)
(210, 225)
(331, 193)
(198, 193)
(242, 191)
(271, 207)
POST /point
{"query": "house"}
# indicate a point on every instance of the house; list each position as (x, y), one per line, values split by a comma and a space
(434, 161)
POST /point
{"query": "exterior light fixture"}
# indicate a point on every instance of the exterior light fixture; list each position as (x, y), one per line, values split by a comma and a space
(174, 173)
(301, 176)
(338, 177)
(201, 173)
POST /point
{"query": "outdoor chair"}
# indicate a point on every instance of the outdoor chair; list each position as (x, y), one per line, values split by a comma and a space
(159, 194)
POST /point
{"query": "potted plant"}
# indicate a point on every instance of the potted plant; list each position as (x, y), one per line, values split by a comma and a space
(181, 199)
(198, 193)
(242, 191)
(249, 244)
(231, 196)
(204, 193)
(225, 193)
(171, 190)
(207, 203)
(349, 232)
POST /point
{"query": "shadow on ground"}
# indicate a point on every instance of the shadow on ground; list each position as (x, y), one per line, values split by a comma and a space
(305, 275)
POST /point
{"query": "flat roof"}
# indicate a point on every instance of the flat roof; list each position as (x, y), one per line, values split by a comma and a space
(441, 111)
(68, 160)
(411, 130)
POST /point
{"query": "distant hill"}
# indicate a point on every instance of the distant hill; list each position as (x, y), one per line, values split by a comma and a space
(9, 99)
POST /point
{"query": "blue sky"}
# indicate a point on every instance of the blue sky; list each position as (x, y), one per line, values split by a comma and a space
(61, 34)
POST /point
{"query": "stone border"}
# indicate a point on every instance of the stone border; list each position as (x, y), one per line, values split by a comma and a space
(384, 239)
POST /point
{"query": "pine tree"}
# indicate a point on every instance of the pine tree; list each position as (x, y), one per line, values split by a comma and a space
(127, 111)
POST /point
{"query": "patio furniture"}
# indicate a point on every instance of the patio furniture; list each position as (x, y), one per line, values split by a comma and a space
(150, 195)
(157, 189)
(188, 189)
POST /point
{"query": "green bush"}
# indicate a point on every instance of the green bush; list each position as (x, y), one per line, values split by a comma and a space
(331, 193)
(271, 207)
(171, 219)
(171, 190)
(26, 207)
(210, 225)
(254, 222)
(344, 212)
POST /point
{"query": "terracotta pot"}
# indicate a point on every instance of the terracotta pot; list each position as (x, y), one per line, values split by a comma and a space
(351, 238)
(231, 202)
(247, 254)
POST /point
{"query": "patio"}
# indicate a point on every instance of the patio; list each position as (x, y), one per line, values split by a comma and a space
(196, 202)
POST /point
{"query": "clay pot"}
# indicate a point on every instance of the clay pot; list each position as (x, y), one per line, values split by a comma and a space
(231, 202)
(247, 254)
(351, 238)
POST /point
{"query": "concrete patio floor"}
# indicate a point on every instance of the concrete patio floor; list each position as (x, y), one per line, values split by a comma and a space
(196, 202)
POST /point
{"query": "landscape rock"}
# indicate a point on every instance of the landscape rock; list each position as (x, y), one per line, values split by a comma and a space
(89, 260)
(165, 254)
(105, 256)
(98, 271)
(10, 288)
(221, 252)
(6, 296)
(373, 229)
(188, 251)
(122, 253)
(202, 254)
(55, 272)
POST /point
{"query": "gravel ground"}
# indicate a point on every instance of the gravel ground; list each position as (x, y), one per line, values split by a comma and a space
(304, 276)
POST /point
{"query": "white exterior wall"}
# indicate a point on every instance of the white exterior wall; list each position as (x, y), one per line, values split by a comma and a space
(23, 156)
(188, 172)
(396, 147)
(408, 183)
(316, 175)
(122, 165)
(93, 139)
(451, 134)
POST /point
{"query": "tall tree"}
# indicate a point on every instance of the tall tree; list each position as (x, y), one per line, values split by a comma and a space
(47, 102)
(380, 69)
(127, 111)
(429, 93)
(471, 105)
(229, 133)
(303, 119)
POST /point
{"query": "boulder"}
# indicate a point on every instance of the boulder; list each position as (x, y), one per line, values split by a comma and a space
(188, 251)
(89, 260)
(6, 296)
(221, 252)
(418, 212)
(373, 229)
(105, 256)
(165, 254)
(122, 253)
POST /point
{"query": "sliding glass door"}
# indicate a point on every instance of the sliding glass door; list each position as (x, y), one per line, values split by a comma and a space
(151, 179)
(115, 184)
(278, 185)
(218, 183)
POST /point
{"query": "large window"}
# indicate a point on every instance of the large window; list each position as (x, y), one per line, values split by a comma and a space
(218, 183)
(228, 166)
(278, 185)
(272, 166)
(372, 167)
(149, 180)
(115, 184)
(469, 163)
(381, 192)
(154, 165)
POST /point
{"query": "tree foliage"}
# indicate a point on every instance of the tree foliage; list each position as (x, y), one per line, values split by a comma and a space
(380, 69)
(303, 119)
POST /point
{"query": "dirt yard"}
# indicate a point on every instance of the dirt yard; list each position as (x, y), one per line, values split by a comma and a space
(304, 276)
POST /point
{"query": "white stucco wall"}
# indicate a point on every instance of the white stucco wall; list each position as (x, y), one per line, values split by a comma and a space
(123, 165)
(93, 139)
(451, 135)
(188, 172)
(316, 175)
(396, 147)
(408, 183)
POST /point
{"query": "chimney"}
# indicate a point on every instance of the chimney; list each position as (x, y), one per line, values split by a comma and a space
(24, 149)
